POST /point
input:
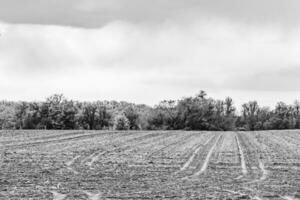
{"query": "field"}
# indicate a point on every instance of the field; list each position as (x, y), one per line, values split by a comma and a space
(63, 165)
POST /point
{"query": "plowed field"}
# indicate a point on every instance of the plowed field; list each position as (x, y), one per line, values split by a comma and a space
(67, 165)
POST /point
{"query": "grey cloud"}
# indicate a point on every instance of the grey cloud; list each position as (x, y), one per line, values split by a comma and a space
(94, 13)
(173, 59)
(181, 82)
(284, 79)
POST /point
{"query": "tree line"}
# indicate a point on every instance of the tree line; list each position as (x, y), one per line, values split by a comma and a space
(198, 112)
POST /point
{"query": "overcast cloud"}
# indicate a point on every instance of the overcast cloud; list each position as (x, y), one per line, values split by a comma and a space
(146, 51)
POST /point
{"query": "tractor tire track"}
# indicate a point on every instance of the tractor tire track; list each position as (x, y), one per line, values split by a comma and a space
(167, 146)
(55, 135)
(195, 152)
(241, 157)
(94, 159)
(58, 196)
(68, 139)
(69, 163)
(206, 161)
(122, 146)
(264, 171)
(250, 166)
(92, 196)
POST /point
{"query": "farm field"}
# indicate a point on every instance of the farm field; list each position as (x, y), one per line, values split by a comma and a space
(67, 165)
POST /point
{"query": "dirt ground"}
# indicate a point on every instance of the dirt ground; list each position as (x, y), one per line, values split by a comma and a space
(67, 165)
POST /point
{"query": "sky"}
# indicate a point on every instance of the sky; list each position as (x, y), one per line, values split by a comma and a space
(145, 51)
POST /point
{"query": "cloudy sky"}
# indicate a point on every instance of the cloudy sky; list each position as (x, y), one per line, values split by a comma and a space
(144, 51)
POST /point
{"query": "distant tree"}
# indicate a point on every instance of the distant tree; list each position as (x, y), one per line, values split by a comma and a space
(33, 116)
(132, 115)
(202, 94)
(67, 117)
(250, 114)
(223, 117)
(7, 115)
(169, 111)
(121, 122)
(156, 120)
(229, 107)
(103, 116)
(55, 112)
(191, 113)
(281, 116)
(20, 114)
(230, 116)
(144, 113)
(197, 113)
(296, 113)
(264, 115)
(89, 115)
